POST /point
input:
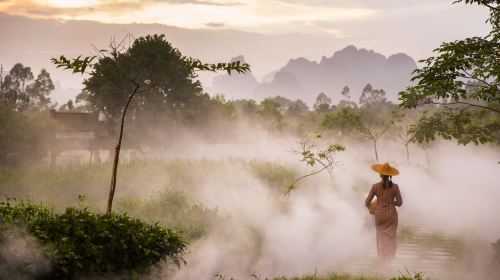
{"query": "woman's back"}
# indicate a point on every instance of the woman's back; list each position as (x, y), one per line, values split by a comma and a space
(386, 197)
(390, 196)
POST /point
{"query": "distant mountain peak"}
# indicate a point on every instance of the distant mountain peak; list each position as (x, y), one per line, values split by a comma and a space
(305, 79)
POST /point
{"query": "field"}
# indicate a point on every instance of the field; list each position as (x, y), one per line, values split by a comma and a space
(234, 212)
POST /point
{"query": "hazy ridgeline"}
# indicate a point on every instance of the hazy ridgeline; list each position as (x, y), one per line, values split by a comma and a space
(228, 201)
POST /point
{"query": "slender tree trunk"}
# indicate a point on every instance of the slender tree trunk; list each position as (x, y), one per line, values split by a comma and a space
(112, 185)
(375, 149)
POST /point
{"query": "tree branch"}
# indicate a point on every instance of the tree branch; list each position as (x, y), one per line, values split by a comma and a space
(465, 103)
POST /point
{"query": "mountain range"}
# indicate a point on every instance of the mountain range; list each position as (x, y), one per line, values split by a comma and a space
(303, 79)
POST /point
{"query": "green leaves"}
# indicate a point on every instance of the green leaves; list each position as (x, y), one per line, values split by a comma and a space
(464, 79)
(197, 65)
(77, 65)
(465, 127)
(313, 155)
(83, 243)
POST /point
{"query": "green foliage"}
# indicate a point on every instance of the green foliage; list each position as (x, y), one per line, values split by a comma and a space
(344, 121)
(269, 112)
(171, 209)
(464, 77)
(322, 104)
(83, 243)
(23, 138)
(273, 175)
(370, 96)
(315, 156)
(77, 65)
(478, 127)
(22, 92)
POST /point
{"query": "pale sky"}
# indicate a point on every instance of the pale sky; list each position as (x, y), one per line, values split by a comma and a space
(267, 32)
(260, 16)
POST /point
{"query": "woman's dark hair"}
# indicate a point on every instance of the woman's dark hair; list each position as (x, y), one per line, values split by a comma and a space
(387, 181)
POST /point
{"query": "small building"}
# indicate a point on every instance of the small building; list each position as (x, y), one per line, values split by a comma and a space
(77, 135)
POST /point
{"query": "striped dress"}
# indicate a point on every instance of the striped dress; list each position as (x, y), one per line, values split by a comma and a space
(386, 217)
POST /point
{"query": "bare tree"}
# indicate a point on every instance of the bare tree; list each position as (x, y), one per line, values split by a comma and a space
(372, 128)
(315, 157)
(399, 132)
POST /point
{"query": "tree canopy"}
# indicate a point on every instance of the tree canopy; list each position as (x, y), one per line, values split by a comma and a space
(463, 79)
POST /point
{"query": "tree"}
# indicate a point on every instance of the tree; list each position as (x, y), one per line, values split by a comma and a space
(245, 107)
(316, 157)
(322, 103)
(346, 101)
(297, 108)
(400, 130)
(345, 121)
(369, 95)
(269, 112)
(467, 113)
(23, 137)
(14, 86)
(150, 66)
(39, 91)
(373, 125)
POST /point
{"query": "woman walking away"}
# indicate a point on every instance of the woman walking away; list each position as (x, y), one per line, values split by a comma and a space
(384, 209)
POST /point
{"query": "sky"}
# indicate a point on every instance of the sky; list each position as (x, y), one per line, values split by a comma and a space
(267, 32)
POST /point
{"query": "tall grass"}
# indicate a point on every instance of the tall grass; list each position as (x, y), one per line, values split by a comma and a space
(152, 190)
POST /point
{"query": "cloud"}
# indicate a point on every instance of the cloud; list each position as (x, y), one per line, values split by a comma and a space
(114, 8)
(215, 24)
(200, 2)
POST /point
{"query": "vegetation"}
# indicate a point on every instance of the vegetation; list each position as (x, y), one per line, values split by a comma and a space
(464, 80)
(80, 243)
(157, 191)
(313, 155)
(150, 66)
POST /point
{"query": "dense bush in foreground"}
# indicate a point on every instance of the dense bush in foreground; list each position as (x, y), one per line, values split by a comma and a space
(79, 242)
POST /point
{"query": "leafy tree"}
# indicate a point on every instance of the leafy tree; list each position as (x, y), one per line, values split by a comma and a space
(346, 101)
(344, 121)
(369, 95)
(345, 92)
(23, 138)
(245, 107)
(297, 108)
(322, 103)
(463, 79)
(270, 114)
(39, 91)
(151, 69)
(14, 86)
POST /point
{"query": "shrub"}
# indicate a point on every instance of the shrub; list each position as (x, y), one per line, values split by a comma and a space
(82, 243)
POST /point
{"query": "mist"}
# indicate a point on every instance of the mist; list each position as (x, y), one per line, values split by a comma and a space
(324, 226)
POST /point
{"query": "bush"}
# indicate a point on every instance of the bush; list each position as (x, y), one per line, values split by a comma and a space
(83, 243)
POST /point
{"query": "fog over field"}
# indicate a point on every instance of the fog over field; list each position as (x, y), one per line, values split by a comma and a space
(239, 139)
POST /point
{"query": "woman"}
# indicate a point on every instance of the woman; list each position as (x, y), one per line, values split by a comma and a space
(386, 216)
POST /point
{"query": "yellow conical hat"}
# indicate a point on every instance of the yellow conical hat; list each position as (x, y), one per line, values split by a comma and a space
(385, 169)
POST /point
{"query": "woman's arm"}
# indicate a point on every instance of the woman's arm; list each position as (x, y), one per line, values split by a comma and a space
(370, 196)
(399, 199)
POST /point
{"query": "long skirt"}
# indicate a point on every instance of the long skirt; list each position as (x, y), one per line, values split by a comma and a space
(386, 222)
